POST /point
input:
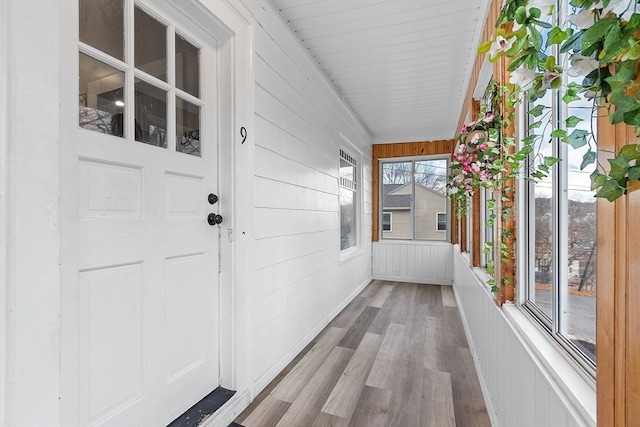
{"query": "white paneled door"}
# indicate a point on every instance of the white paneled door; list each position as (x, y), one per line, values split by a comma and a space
(139, 260)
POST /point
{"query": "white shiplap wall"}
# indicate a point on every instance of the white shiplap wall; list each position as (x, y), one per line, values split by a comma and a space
(526, 381)
(413, 261)
(300, 280)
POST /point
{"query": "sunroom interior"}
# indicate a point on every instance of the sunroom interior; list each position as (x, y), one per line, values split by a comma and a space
(281, 167)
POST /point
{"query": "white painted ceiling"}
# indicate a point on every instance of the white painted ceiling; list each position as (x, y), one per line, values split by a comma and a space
(403, 66)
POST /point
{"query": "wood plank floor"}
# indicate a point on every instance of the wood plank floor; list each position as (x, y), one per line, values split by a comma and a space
(395, 356)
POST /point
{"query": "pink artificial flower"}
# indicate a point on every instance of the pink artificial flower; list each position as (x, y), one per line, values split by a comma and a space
(488, 118)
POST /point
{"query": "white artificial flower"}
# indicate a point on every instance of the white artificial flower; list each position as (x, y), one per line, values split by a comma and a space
(623, 8)
(501, 44)
(583, 20)
(523, 77)
(582, 65)
(548, 77)
(452, 190)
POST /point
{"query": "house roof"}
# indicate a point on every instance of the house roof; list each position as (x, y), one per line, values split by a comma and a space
(400, 201)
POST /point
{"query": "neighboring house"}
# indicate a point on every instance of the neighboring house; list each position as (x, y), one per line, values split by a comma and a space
(430, 207)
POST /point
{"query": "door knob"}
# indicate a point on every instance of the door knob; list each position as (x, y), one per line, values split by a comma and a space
(214, 219)
(213, 199)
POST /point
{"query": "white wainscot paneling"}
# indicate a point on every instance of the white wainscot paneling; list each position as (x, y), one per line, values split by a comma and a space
(525, 379)
(410, 261)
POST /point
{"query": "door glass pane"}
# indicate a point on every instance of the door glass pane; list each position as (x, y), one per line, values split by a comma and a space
(101, 97)
(151, 114)
(187, 127)
(578, 297)
(187, 67)
(150, 45)
(102, 25)
(430, 199)
(396, 198)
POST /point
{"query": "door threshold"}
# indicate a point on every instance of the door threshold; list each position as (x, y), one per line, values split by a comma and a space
(203, 409)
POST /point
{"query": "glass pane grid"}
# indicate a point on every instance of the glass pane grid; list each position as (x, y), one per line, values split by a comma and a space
(413, 193)
(161, 115)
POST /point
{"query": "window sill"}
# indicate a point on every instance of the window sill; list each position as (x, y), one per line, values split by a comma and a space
(348, 254)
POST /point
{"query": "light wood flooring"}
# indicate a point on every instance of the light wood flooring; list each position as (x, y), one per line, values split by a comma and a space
(395, 356)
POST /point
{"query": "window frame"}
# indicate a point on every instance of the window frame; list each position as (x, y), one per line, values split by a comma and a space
(438, 222)
(390, 221)
(381, 208)
(350, 185)
(134, 75)
(551, 324)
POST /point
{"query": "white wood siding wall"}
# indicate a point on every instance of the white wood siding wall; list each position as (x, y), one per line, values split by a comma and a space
(413, 261)
(300, 280)
(519, 390)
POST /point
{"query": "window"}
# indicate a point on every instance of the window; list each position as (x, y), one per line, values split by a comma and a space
(561, 237)
(386, 221)
(414, 205)
(487, 227)
(143, 95)
(441, 221)
(348, 211)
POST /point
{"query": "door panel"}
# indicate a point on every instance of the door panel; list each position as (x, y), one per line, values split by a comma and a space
(140, 262)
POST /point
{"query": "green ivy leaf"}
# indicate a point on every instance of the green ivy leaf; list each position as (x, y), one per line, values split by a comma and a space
(597, 179)
(537, 110)
(485, 47)
(630, 152)
(535, 12)
(571, 92)
(572, 121)
(559, 133)
(611, 190)
(577, 138)
(633, 24)
(574, 41)
(550, 160)
(623, 105)
(613, 39)
(588, 158)
(550, 63)
(621, 79)
(535, 38)
(535, 125)
(598, 30)
(634, 172)
(634, 52)
(556, 36)
(632, 117)
(619, 168)
(521, 15)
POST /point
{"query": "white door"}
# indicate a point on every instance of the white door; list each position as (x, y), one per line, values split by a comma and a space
(139, 260)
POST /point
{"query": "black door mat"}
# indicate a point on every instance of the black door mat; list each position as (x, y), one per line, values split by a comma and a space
(203, 409)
